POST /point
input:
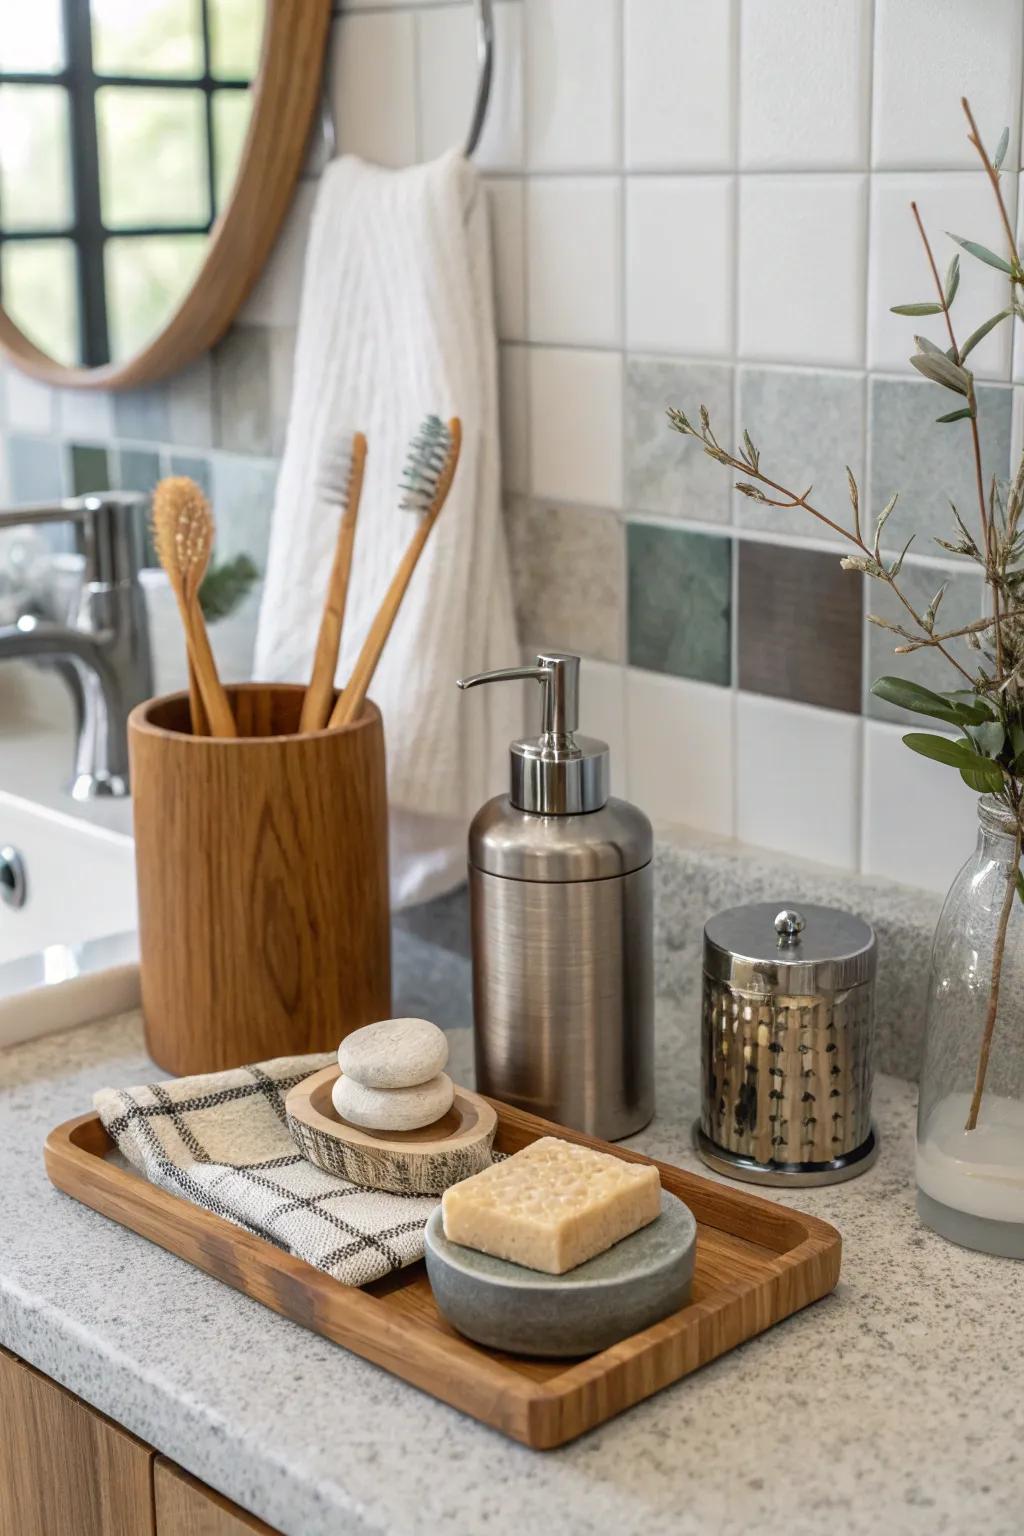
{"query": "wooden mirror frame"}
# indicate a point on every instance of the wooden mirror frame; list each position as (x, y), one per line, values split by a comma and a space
(285, 93)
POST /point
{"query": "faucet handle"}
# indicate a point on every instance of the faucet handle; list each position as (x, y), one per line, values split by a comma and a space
(109, 530)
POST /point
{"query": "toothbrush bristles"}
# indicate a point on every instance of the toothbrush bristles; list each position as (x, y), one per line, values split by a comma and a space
(428, 454)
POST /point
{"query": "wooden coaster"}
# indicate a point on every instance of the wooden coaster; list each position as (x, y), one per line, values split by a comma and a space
(423, 1162)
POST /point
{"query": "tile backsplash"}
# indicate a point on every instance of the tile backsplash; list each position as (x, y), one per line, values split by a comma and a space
(692, 201)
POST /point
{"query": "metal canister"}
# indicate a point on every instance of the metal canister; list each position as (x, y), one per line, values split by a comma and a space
(786, 1044)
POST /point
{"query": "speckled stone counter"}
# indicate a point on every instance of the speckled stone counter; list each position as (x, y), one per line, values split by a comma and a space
(894, 1406)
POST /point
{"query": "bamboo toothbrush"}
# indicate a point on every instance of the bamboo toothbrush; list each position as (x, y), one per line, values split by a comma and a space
(429, 472)
(316, 706)
(183, 535)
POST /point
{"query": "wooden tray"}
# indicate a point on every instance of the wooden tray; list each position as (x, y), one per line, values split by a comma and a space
(757, 1263)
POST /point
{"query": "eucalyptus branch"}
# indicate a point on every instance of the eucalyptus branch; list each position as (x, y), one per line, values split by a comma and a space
(869, 560)
(998, 950)
(975, 437)
(991, 171)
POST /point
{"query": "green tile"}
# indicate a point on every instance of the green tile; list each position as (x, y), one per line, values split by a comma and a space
(90, 469)
(680, 598)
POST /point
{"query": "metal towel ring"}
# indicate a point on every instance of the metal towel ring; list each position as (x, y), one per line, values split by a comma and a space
(485, 71)
(484, 11)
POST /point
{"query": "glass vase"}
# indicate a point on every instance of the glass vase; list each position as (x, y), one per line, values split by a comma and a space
(970, 1182)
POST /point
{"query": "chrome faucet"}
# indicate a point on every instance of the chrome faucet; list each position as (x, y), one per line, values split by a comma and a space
(104, 655)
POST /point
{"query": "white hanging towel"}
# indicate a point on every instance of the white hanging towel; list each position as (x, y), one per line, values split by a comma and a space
(396, 323)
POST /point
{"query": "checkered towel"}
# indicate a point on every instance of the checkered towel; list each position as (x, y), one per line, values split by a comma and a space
(222, 1141)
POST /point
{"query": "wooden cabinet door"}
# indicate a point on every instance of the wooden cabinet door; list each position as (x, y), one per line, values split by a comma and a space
(185, 1507)
(65, 1470)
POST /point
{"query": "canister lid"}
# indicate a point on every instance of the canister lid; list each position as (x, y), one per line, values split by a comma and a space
(789, 946)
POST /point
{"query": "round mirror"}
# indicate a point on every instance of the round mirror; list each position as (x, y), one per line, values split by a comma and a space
(148, 150)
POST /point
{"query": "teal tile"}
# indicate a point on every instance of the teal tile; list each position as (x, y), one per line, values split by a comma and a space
(138, 470)
(90, 469)
(680, 599)
(196, 468)
(35, 468)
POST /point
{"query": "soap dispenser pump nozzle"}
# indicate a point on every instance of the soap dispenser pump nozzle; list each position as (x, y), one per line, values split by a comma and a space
(556, 773)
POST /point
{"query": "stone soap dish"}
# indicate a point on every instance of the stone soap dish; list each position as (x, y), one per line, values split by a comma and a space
(639, 1281)
(423, 1162)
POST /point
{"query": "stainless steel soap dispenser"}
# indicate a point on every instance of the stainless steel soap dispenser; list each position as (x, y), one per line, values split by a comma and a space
(561, 899)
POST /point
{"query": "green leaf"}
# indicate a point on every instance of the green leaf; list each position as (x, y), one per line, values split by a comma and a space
(924, 345)
(897, 564)
(982, 331)
(982, 252)
(922, 701)
(978, 708)
(963, 414)
(941, 371)
(1020, 884)
(883, 518)
(225, 586)
(976, 781)
(952, 280)
(917, 309)
(1017, 747)
(956, 754)
(1001, 148)
(989, 738)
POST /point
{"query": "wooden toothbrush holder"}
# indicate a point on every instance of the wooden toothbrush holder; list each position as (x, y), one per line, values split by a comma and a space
(262, 867)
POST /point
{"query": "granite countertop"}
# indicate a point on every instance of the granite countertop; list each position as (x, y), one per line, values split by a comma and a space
(893, 1405)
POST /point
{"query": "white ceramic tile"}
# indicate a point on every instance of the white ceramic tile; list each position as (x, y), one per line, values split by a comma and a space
(87, 415)
(574, 266)
(603, 714)
(679, 84)
(801, 269)
(679, 264)
(576, 425)
(275, 298)
(804, 84)
(505, 200)
(30, 405)
(681, 750)
(572, 84)
(513, 408)
(929, 53)
(920, 819)
(1018, 326)
(372, 74)
(447, 73)
(899, 272)
(798, 779)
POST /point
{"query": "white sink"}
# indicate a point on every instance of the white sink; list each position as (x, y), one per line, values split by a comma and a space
(74, 936)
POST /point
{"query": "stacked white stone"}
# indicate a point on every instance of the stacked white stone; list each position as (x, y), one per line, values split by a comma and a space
(391, 1076)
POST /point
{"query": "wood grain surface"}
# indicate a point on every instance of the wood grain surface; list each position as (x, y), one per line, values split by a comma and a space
(262, 867)
(64, 1468)
(285, 93)
(423, 1162)
(757, 1262)
(185, 1507)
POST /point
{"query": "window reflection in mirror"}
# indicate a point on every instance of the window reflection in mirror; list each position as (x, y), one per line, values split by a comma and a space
(121, 128)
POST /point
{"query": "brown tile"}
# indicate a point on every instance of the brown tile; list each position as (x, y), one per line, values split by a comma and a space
(799, 626)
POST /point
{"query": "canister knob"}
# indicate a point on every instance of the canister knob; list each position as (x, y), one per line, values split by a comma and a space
(789, 925)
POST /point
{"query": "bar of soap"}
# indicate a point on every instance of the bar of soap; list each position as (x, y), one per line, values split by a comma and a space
(551, 1206)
